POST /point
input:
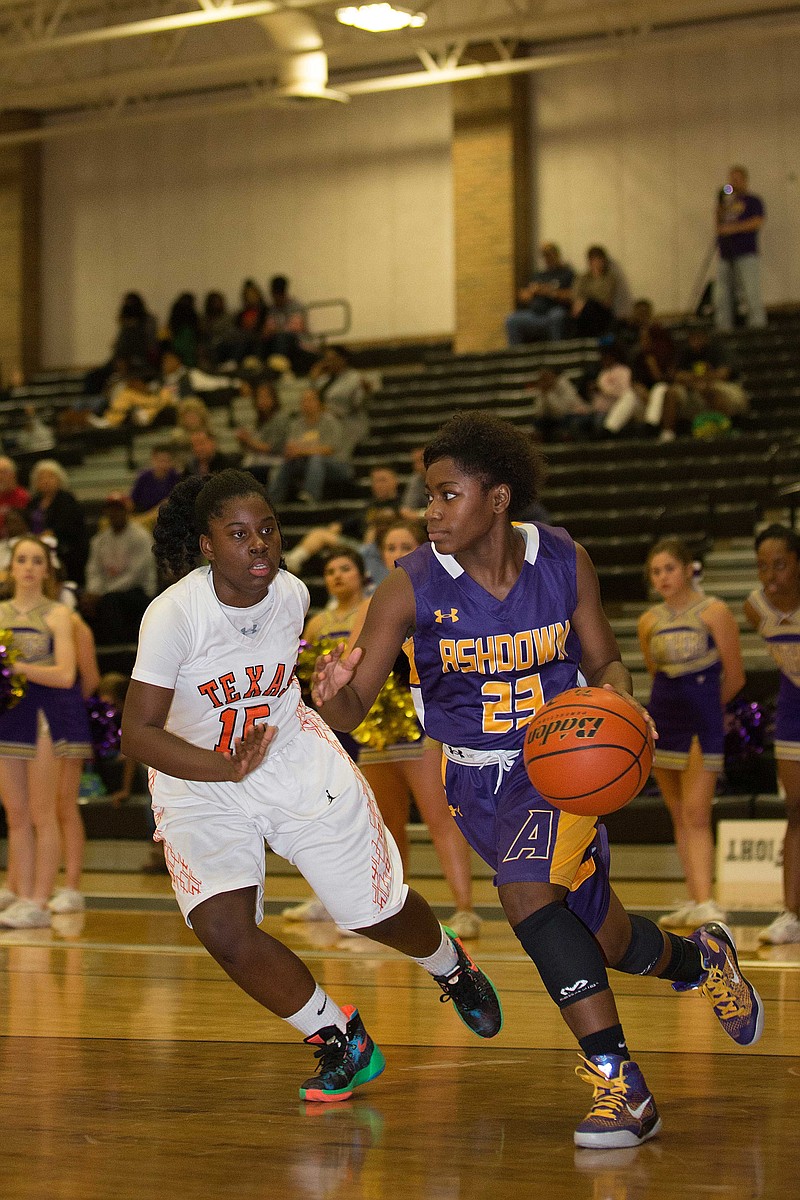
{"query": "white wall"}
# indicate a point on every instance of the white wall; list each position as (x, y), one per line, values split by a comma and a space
(349, 201)
(356, 200)
(632, 153)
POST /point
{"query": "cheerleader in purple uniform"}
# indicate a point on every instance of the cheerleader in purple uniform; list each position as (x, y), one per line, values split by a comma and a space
(690, 644)
(69, 898)
(773, 609)
(36, 733)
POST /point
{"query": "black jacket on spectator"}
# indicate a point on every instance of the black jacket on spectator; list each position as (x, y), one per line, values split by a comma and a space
(65, 519)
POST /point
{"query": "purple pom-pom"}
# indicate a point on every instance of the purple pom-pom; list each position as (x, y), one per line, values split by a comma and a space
(105, 723)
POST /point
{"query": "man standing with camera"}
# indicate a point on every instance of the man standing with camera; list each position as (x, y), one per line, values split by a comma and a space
(740, 216)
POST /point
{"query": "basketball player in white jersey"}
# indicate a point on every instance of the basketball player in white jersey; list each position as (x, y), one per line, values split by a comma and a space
(236, 758)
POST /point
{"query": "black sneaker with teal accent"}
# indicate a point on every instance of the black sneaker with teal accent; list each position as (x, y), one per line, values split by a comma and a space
(346, 1060)
(472, 992)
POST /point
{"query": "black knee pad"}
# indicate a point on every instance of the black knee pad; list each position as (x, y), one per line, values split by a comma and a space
(645, 948)
(564, 952)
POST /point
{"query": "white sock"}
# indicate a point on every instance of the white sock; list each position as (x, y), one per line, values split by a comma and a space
(318, 1013)
(443, 961)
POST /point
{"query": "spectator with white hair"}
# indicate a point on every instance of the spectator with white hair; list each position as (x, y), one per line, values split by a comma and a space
(54, 509)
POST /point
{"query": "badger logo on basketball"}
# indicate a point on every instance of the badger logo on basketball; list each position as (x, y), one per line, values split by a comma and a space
(579, 727)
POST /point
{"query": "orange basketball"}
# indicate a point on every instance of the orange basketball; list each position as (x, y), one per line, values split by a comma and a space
(588, 751)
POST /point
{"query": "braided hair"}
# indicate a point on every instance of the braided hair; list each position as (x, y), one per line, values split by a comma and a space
(186, 513)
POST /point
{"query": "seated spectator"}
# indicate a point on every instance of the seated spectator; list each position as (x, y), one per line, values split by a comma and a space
(284, 327)
(544, 302)
(652, 359)
(558, 409)
(136, 403)
(206, 458)
(615, 403)
(704, 381)
(414, 499)
(344, 392)
(138, 331)
(12, 493)
(594, 295)
(216, 331)
(192, 416)
(385, 503)
(152, 485)
(384, 507)
(314, 454)
(245, 339)
(321, 537)
(53, 509)
(136, 339)
(34, 436)
(178, 382)
(120, 575)
(264, 445)
(183, 329)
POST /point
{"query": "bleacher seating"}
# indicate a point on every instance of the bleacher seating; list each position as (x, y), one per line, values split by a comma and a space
(615, 496)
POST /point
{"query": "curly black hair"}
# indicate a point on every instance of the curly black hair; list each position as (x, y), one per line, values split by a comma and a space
(185, 515)
(492, 451)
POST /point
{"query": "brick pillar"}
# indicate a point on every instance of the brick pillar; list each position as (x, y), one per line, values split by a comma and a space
(20, 185)
(491, 180)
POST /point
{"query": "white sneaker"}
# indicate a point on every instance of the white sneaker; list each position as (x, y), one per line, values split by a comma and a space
(309, 910)
(24, 914)
(709, 910)
(667, 435)
(7, 898)
(678, 918)
(785, 928)
(67, 900)
(465, 924)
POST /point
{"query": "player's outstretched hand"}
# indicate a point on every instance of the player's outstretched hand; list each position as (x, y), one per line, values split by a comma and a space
(332, 672)
(249, 752)
(634, 703)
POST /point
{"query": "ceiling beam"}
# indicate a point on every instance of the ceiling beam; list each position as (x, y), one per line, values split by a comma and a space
(262, 96)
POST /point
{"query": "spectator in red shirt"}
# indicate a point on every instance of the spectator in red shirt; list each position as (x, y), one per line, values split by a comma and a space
(12, 493)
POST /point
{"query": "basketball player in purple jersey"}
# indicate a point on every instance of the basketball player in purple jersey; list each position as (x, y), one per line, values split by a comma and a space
(497, 620)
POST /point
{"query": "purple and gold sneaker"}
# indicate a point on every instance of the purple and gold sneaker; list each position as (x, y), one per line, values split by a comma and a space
(736, 1003)
(623, 1112)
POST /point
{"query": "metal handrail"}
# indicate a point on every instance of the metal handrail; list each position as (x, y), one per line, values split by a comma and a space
(345, 323)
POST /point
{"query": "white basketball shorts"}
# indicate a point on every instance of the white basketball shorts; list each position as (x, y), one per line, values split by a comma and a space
(312, 806)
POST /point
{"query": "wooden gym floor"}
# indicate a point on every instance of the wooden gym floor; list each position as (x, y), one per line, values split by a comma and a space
(132, 1068)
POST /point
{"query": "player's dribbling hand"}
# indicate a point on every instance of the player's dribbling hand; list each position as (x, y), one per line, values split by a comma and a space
(634, 703)
(332, 672)
(250, 751)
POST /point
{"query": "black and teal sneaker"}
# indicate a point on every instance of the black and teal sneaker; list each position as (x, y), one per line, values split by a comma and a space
(346, 1060)
(472, 992)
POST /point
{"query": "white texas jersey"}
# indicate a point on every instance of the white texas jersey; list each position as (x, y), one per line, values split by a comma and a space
(224, 681)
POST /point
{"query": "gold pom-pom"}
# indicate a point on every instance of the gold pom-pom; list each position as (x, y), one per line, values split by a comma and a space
(392, 717)
(12, 684)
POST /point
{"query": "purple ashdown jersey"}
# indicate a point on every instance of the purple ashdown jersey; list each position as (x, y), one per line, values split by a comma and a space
(481, 667)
